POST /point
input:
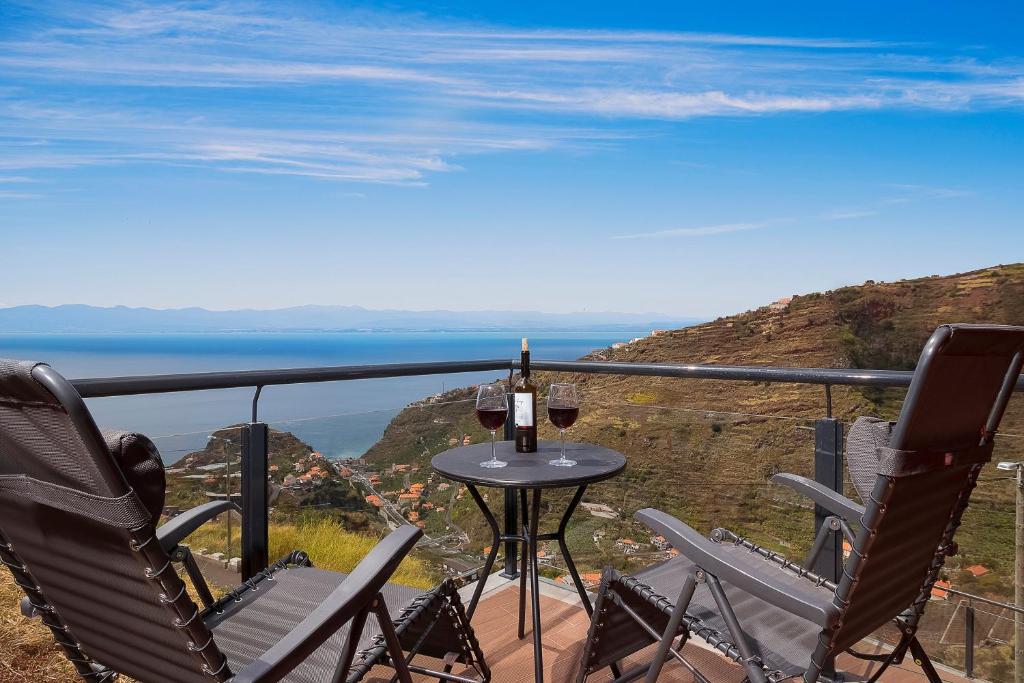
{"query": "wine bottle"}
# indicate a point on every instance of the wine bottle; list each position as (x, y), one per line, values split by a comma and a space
(525, 397)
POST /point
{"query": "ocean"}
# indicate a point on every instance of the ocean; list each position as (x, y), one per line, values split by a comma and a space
(340, 419)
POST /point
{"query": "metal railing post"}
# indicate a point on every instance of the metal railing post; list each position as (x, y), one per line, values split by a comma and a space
(828, 470)
(969, 640)
(1018, 581)
(255, 539)
(511, 569)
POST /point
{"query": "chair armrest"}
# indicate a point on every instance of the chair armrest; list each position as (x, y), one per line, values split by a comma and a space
(174, 532)
(743, 570)
(835, 503)
(357, 592)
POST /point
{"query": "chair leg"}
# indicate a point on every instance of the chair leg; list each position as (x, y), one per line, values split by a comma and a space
(355, 632)
(685, 595)
(750, 661)
(524, 510)
(922, 660)
(538, 649)
(395, 653)
(828, 527)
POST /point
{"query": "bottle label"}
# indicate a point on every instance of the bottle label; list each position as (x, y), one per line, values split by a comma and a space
(524, 409)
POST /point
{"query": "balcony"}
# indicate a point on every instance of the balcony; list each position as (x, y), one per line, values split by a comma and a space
(968, 634)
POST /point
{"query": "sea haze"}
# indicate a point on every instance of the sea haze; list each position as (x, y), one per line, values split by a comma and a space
(340, 419)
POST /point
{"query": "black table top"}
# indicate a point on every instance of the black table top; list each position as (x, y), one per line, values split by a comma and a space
(529, 470)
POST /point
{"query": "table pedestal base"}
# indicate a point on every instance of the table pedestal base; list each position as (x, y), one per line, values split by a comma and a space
(529, 538)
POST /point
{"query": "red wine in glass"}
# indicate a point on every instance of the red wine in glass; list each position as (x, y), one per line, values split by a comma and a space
(563, 409)
(493, 419)
(491, 410)
(563, 418)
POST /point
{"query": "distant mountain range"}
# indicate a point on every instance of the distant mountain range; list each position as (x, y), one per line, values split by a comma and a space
(122, 319)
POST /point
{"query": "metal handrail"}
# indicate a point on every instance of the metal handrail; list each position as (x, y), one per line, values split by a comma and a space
(160, 384)
(199, 381)
(983, 600)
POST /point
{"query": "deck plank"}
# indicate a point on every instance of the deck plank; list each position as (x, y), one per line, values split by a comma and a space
(564, 627)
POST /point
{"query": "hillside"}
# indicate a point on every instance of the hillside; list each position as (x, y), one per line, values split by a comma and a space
(703, 450)
(302, 481)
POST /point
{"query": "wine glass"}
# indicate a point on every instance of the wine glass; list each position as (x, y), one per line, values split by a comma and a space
(563, 409)
(491, 410)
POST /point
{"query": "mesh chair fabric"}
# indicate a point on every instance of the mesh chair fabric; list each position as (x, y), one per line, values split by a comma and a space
(259, 619)
(784, 642)
(37, 438)
(867, 435)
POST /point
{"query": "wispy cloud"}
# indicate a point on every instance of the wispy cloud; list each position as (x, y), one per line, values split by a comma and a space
(700, 231)
(847, 214)
(927, 191)
(394, 98)
(6, 194)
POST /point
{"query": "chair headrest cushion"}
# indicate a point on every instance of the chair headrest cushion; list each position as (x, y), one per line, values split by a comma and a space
(140, 461)
(867, 435)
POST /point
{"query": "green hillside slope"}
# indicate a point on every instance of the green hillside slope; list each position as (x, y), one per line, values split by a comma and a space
(703, 450)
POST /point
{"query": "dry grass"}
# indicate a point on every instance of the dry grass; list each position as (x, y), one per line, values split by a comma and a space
(27, 650)
(326, 542)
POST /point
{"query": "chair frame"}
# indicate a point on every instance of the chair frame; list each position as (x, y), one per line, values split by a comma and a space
(827, 609)
(358, 595)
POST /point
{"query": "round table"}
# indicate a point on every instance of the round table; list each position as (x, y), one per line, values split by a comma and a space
(527, 472)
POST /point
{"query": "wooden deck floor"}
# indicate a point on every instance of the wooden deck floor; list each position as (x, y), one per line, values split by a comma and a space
(564, 627)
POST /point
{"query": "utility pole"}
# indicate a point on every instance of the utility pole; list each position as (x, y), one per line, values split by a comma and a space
(227, 492)
(1018, 583)
(1018, 571)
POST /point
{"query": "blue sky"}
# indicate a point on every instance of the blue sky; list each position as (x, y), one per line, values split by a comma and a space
(581, 156)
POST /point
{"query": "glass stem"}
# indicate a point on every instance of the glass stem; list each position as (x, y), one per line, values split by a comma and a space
(561, 433)
(493, 456)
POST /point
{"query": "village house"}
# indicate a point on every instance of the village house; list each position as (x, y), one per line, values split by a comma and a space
(590, 579)
(600, 510)
(627, 545)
